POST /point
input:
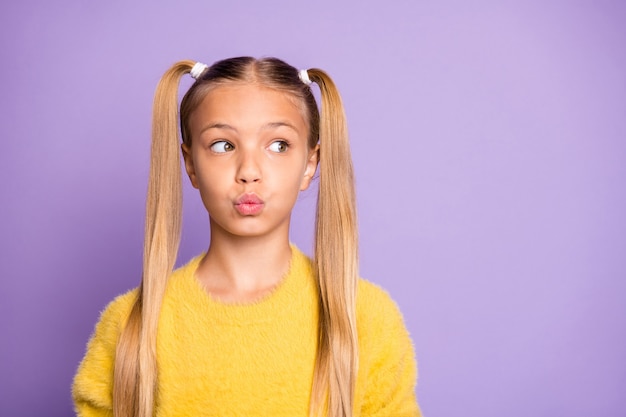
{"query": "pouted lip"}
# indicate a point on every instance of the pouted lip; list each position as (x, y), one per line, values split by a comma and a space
(248, 198)
(249, 204)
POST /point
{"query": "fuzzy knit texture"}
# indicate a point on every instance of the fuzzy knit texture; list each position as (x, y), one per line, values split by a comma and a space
(257, 359)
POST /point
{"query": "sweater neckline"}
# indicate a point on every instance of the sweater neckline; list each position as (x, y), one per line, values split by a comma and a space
(297, 281)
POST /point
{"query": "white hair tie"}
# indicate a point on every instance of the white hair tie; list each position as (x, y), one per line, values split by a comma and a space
(198, 69)
(304, 77)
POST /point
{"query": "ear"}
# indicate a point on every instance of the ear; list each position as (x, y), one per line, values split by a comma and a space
(311, 167)
(191, 171)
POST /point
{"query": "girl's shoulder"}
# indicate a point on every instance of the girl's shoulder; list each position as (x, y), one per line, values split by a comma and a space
(373, 300)
(114, 316)
(117, 311)
(378, 314)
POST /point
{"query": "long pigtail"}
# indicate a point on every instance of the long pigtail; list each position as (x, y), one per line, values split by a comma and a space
(336, 260)
(135, 374)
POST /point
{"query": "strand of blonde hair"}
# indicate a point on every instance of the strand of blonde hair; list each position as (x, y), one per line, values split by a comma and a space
(136, 376)
(336, 260)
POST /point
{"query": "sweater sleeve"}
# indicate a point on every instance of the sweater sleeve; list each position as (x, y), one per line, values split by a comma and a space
(390, 359)
(92, 390)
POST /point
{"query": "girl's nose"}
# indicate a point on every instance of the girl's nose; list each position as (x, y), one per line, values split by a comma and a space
(249, 170)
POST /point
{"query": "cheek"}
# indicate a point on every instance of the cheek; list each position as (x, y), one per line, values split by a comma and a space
(293, 172)
(293, 182)
(211, 183)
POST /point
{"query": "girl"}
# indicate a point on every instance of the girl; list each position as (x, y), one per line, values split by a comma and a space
(251, 327)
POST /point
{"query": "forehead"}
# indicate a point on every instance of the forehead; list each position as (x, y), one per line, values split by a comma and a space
(248, 104)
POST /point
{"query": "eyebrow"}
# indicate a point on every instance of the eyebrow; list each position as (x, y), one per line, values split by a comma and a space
(217, 126)
(267, 126)
(276, 125)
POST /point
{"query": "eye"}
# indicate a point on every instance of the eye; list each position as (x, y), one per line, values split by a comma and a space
(279, 146)
(222, 146)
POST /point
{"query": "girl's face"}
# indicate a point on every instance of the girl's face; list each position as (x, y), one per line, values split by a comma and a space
(249, 158)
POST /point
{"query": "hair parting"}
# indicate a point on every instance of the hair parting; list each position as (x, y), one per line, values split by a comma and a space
(336, 240)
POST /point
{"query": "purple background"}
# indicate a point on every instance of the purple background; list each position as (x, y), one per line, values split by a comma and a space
(489, 140)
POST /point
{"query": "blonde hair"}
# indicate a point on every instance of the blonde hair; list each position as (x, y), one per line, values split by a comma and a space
(336, 260)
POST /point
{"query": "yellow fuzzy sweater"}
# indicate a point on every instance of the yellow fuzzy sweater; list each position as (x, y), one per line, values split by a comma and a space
(217, 359)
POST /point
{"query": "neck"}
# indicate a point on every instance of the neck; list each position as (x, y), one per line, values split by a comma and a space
(237, 269)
